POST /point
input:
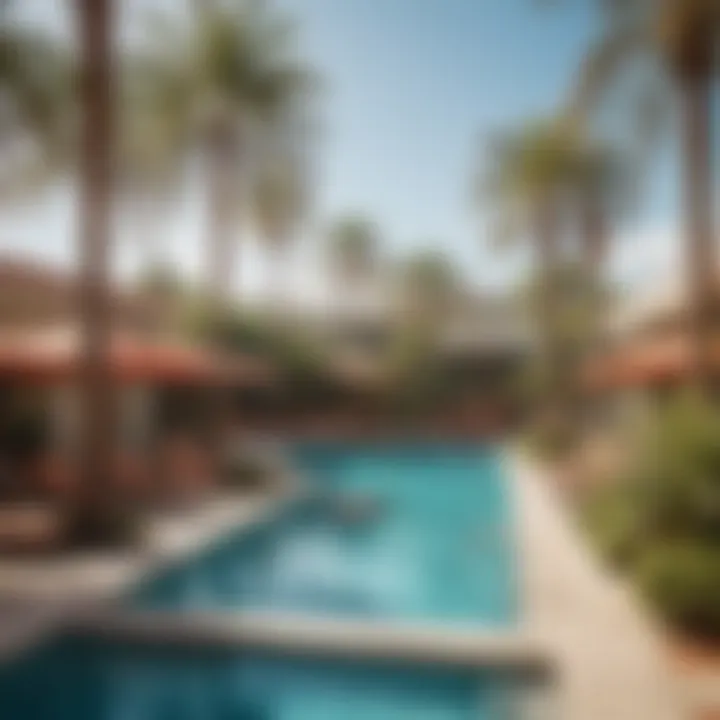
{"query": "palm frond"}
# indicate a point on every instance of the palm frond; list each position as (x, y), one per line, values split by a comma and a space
(353, 246)
(601, 67)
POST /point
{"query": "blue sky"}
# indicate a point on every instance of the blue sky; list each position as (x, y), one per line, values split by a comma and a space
(414, 88)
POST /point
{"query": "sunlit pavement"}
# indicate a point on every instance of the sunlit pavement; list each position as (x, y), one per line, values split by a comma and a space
(612, 662)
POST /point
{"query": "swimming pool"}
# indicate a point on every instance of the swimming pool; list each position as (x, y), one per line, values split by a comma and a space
(394, 533)
(397, 532)
(80, 679)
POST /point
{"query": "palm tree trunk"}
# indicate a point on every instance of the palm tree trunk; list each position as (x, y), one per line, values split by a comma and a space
(221, 226)
(700, 258)
(89, 522)
(595, 239)
(221, 261)
(548, 262)
(595, 248)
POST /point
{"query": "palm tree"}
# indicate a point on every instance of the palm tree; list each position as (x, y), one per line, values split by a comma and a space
(96, 508)
(429, 286)
(603, 188)
(150, 170)
(526, 186)
(222, 72)
(37, 113)
(680, 37)
(278, 205)
(36, 103)
(353, 245)
(540, 176)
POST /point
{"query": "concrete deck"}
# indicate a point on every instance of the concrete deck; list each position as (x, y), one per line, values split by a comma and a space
(360, 639)
(611, 661)
(38, 595)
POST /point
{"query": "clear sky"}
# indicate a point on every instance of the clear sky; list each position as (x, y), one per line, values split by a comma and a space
(414, 88)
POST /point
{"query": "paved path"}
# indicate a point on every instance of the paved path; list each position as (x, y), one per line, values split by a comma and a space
(611, 662)
(37, 596)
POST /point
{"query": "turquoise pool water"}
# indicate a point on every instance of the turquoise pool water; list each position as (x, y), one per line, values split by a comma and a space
(87, 680)
(401, 533)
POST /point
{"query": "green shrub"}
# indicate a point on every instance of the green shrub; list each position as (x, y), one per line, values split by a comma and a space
(552, 440)
(675, 474)
(683, 581)
(661, 519)
(612, 520)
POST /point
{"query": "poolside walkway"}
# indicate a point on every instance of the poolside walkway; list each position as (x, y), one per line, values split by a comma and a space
(40, 595)
(611, 661)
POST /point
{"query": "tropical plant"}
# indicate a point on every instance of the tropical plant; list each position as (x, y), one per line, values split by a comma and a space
(304, 375)
(353, 249)
(36, 103)
(429, 286)
(525, 186)
(429, 291)
(150, 162)
(538, 179)
(661, 520)
(674, 41)
(683, 580)
(603, 188)
(278, 205)
(223, 77)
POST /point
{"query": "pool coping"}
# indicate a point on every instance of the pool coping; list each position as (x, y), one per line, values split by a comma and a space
(40, 595)
(44, 595)
(463, 645)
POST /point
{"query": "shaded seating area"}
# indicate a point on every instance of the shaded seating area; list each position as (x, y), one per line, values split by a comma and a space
(164, 451)
(646, 362)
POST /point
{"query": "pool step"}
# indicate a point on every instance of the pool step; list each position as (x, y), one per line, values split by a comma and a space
(314, 636)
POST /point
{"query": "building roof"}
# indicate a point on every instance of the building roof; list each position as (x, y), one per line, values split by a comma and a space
(54, 354)
(34, 293)
(649, 361)
(663, 300)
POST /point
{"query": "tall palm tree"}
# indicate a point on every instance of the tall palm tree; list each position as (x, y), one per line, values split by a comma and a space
(222, 71)
(525, 185)
(679, 38)
(278, 205)
(96, 509)
(353, 249)
(36, 102)
(429, 287)
(602, 188)
(150, 168)
(539, 177)
(37, 111)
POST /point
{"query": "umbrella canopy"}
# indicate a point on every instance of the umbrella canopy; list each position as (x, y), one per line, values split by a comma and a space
(55, 354)
(645, 362)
